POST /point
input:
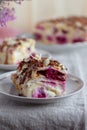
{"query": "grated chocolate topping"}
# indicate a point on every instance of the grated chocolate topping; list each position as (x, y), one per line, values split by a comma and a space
(29, 68)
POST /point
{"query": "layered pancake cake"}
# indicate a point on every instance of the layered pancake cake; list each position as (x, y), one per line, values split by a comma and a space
(13, 50)
(40, 77)
(62, 30)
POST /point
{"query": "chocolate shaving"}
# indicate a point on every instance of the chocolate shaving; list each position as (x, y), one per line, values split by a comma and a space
(32, 66)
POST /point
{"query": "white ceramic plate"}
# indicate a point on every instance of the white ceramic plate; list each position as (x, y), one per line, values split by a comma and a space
(73, 86)
(7, 67)
(54, 48)
(13, 67)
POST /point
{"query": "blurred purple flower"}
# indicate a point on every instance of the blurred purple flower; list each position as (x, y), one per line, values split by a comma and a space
(7, 14)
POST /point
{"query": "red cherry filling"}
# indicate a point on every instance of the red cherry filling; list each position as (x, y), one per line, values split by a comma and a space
(40, 27)
(50, 38)
(55, 30)
(32, 55)
(78, 40)
(61, 39)
(38, 36)
(53, 74)
(39, 93)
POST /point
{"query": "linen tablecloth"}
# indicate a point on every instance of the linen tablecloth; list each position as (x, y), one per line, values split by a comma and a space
(66, 114)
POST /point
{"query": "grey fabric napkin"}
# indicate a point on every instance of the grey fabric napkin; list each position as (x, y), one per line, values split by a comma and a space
(65, 114)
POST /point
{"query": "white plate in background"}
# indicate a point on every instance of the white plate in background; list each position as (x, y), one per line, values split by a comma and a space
(55, 48)
(73, 86)
(7, 67)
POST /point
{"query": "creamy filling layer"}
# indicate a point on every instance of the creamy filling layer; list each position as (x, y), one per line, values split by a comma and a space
(42, 88)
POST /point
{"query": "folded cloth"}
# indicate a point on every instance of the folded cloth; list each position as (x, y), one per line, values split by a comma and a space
(65, 114)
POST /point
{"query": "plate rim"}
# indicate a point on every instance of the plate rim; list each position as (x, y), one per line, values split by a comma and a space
(63, 45)
(5, 75)
(61, 49)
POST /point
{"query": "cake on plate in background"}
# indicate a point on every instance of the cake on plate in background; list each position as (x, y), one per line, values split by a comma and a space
(13, 50)
(62, 30)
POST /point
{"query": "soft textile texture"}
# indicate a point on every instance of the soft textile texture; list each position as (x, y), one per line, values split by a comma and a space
(67, 114)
